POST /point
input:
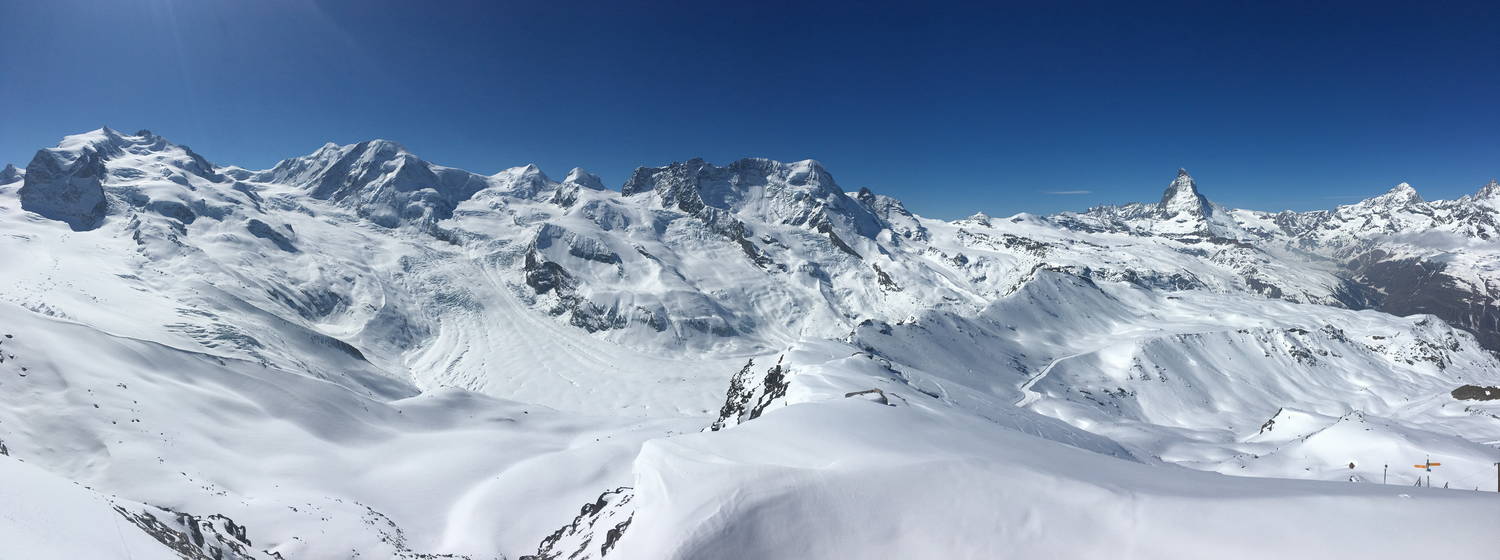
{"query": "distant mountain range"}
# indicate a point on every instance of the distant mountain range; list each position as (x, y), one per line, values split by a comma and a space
(358, 352)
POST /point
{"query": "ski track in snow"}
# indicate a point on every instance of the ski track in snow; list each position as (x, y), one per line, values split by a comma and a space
(1031, 396)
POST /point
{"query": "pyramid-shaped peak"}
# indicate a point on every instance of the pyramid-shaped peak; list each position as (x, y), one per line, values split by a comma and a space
(1184, 181)
(1182, 197)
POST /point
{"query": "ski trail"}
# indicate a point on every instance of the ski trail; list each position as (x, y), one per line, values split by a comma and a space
(1029, 396)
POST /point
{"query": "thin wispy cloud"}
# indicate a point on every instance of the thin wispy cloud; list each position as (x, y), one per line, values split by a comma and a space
(1067, 192)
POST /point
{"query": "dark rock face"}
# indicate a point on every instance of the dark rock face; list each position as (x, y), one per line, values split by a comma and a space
(579, 246)
(1476, 393)
(1419, 286)
(801, 194)
(679, 188)
(215, 537)
(546, 276)
(173, 209)
(581, 538)
(71, 192)
(265, 231)
(1270, 423)
(886, 283)
(749, 396)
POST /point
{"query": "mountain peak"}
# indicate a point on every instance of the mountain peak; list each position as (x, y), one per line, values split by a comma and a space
(381, 180)
(1401, 193)
(382, 147)
(809, 172)
(1490, 190)
(732, 187)
(799, 193)
(10, 174)
(584, 179)
(1181, 197)
(528, 174)
(104, 140)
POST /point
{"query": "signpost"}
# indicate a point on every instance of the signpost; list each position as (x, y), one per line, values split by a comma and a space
(1427, 467)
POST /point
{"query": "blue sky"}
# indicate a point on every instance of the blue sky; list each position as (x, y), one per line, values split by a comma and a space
(954, 108)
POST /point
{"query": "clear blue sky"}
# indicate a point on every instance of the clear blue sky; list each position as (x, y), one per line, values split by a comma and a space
(953, 108)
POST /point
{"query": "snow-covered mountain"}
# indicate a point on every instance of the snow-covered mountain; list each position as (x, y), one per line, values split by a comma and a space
(358, 353)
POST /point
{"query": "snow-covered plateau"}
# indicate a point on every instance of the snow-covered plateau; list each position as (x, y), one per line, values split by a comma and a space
(361, 354)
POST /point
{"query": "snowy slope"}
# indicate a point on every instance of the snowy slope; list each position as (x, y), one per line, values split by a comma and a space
(48, 517)
(854, 479)
(361, 353)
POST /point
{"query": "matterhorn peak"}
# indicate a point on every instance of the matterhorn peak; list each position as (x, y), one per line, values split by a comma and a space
(1182, 197)
(584, 179)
